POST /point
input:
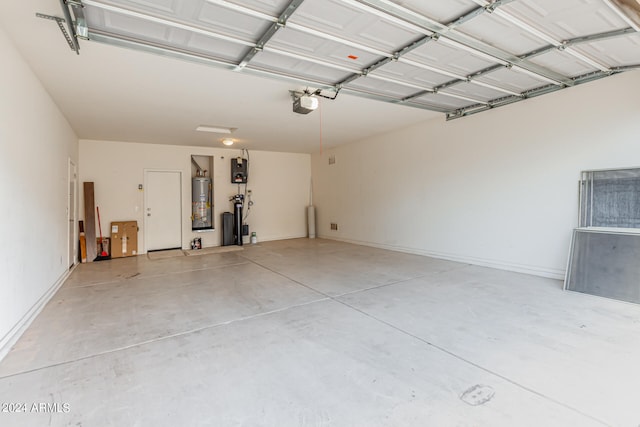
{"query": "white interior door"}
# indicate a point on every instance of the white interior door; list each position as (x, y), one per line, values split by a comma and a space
(163, 210)
(71, 216)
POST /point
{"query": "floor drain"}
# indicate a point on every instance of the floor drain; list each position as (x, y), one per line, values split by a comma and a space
(477, 395)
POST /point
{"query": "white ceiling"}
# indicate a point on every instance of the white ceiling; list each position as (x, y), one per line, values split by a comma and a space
(112, 93)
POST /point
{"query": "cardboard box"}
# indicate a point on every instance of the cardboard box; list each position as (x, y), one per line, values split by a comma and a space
(124, 239)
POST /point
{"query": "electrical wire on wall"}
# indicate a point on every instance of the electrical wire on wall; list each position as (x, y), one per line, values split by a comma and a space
(247, 193)
(320, 114)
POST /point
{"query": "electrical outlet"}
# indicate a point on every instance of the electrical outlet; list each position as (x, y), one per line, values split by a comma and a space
(334, 226)
(332, 159)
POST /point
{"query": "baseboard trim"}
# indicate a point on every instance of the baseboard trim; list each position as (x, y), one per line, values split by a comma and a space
(550, 273)
(272, 238)
(19, 328)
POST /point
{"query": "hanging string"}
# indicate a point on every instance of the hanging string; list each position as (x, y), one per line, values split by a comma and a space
(320, 114)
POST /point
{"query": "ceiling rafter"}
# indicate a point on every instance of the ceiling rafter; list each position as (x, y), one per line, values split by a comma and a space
(547, 88)
(547, 49)
(143, 45)
(536, 32)
(271, 31)
(71, 37)
(367, 71)
(460, 39)
(398, 55)
(426, 29)
(554, 45)
(167, 22)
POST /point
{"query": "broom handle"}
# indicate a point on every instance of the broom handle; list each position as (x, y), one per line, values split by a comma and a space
(99, 224)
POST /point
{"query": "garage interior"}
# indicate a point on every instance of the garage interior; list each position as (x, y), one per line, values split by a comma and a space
(421, 178)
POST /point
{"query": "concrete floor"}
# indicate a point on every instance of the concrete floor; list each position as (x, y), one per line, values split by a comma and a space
(317, 333)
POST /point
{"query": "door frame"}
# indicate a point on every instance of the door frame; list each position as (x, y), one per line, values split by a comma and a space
(72, 213)
(145, 203)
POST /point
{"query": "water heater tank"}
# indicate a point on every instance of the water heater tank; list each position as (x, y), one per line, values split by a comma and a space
(201, 203)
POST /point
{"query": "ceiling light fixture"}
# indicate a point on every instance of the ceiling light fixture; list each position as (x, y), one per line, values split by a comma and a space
(227, 141)
(214, 129)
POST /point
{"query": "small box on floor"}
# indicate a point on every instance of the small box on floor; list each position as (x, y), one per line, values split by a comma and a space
(124, 239)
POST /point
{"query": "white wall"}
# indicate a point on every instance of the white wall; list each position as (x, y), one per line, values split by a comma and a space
(36, 143)
(498, 188)
(279, 184)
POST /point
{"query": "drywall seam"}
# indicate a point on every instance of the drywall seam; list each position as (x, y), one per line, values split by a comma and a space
(19, 328)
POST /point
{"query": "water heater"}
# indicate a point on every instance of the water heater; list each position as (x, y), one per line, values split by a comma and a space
(201, 203)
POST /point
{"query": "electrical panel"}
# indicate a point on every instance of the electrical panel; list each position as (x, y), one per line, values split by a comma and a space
(239, 170)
